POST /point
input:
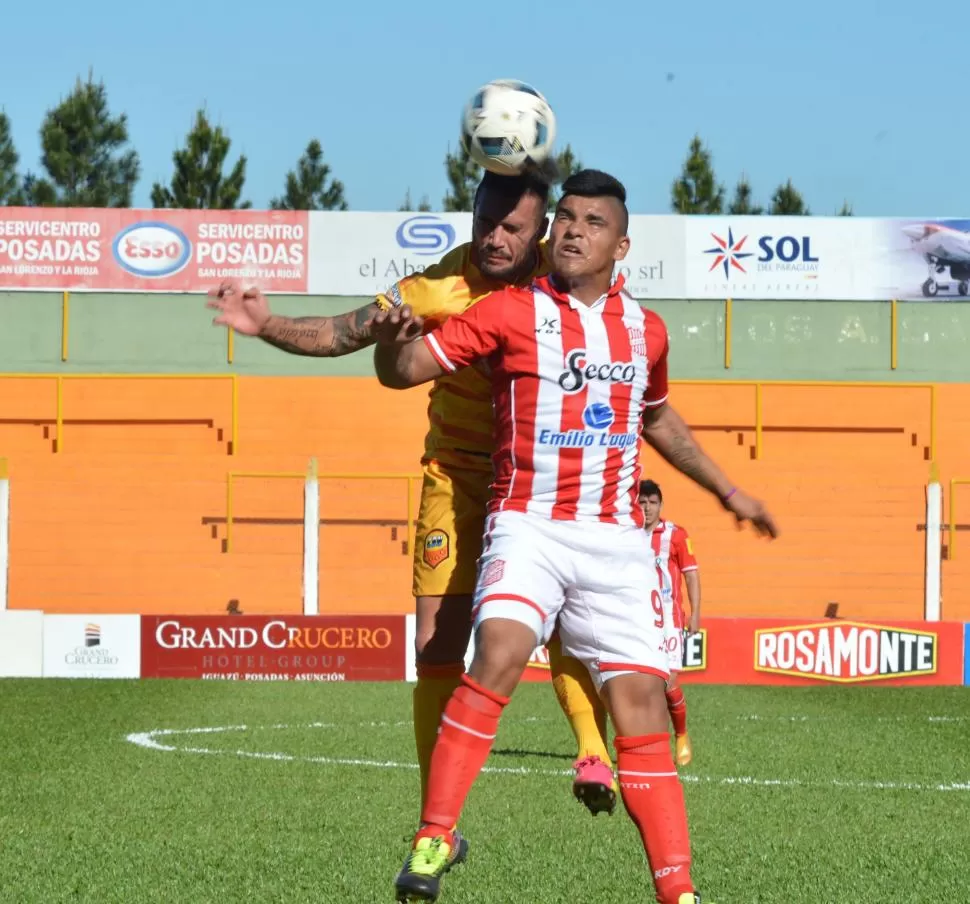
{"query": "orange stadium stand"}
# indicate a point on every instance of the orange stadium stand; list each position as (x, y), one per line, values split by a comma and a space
(129, 513)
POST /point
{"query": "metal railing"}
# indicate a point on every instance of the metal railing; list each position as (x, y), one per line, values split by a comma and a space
(384, 475)
(728, 331)
(893, 331)
(759, 387)
(952, 514)
(312, 473)
(59, 380)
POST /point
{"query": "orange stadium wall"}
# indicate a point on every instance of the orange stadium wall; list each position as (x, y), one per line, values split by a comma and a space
(125, 511)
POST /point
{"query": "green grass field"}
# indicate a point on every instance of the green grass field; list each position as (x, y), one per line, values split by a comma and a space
(825, 795)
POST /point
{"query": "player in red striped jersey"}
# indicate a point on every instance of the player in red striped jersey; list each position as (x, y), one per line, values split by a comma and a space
(579, 372)
(676, 566)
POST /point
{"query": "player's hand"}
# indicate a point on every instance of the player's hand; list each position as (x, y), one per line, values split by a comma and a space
(747, 508)
(694, 623)
(244, 310)
(396, 326)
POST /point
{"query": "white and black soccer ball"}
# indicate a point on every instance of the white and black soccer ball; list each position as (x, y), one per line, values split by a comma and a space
(506, 125)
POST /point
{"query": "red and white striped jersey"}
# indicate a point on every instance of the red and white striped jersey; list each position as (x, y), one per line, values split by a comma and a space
(569, 384)
(674, 553)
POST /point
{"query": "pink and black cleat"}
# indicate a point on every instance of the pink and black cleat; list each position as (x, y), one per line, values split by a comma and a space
(594, 785)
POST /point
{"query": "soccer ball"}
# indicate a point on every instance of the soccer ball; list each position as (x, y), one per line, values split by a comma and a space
(506, 125)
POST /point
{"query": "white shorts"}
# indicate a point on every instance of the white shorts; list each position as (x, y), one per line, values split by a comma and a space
(673, 635)
(598, 581)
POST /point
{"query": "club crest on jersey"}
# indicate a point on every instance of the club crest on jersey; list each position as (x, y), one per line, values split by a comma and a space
(638, 342)
(437, 548)
(579, 371)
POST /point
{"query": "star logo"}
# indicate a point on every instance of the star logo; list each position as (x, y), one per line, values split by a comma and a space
(727, 253)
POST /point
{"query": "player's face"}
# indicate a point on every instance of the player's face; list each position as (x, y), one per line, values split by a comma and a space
(651, 509)
(588, 236)
(505, 234)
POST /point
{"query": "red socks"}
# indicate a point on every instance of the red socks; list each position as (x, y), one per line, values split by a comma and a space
(677, 707)
(468, 729)
(654, 798)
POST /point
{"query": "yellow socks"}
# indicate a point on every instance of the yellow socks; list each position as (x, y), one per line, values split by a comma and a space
(579, 701)
(436, 684)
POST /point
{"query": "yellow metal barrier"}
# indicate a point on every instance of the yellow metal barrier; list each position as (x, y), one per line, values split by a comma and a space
(952, 514)
(59, 388)
(894, 335)
(263, 475)
(311, 472)
(230, 345)
(65, 321)
(727, 333)
(408, 478)
(759, 386)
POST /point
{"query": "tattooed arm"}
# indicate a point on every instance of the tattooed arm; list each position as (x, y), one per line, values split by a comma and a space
(665, 430)
(246, 310)
(325, 337)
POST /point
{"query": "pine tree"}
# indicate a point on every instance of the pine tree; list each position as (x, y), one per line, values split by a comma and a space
(846, 210)
(788, 201)
(306, 186)
(697, 190)
(463, 178)
(567, 163)
(742, 204)
(11, 190)
(423, 207)
(84, 153)
(198, 182)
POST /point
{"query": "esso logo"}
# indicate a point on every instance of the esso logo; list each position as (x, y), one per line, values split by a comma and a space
(152, 250)
(425, 234)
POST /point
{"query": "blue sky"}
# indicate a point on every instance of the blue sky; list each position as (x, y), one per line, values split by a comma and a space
(856, 99)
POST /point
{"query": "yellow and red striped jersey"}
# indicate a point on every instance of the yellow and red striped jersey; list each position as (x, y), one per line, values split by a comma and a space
(460, 405)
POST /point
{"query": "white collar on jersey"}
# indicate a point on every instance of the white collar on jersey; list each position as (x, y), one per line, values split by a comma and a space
(547, 285)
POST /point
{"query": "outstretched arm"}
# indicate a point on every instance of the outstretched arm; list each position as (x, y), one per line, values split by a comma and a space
(666, 431)
(247, 312)
(325, 337)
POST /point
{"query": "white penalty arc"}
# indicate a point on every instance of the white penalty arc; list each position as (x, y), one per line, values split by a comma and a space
(160, 739)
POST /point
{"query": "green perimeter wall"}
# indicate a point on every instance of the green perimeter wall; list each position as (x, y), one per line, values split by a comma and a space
(771, 340)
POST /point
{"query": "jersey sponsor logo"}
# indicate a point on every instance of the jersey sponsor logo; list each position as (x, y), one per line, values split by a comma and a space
(586, 439)
(598, 416)
(579, 371)
(425, 234)
(845, 652)
(437, 548)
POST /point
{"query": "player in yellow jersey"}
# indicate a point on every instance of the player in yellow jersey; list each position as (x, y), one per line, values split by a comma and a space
(509, 224)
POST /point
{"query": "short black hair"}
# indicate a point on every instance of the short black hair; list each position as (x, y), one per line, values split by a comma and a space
(650, 488)
(514, 187)
(591, 183)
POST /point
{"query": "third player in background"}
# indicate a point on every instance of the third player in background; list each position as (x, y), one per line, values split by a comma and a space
(676, 565)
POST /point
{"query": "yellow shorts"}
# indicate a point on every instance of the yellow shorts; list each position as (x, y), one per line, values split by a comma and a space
(451, 522)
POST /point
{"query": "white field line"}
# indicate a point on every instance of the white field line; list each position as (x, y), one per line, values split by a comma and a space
(153, 740)
(755, 717)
